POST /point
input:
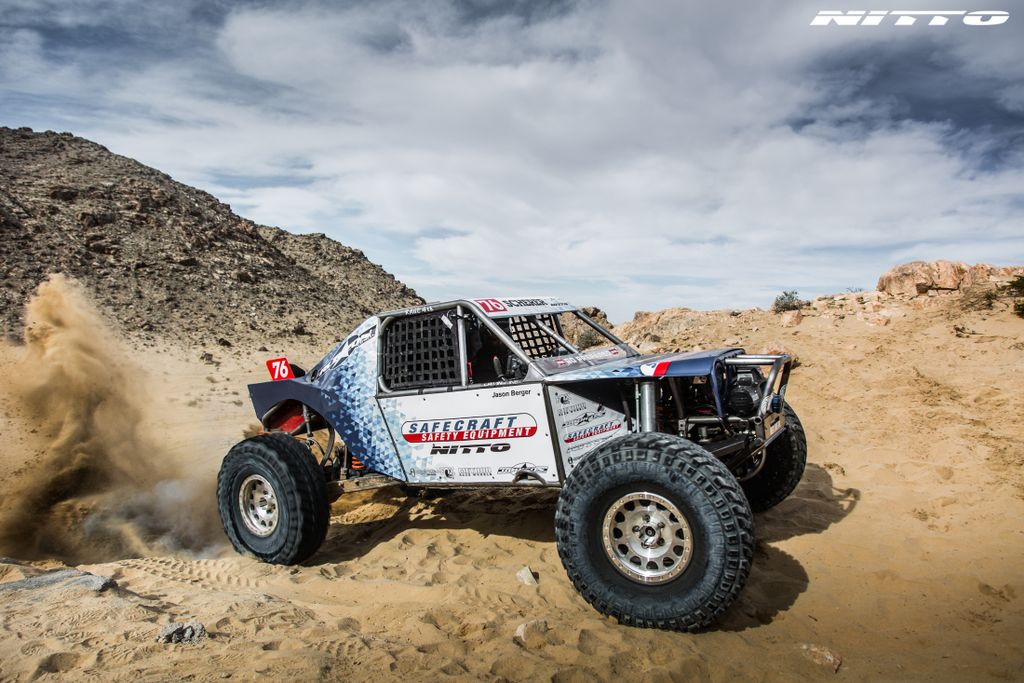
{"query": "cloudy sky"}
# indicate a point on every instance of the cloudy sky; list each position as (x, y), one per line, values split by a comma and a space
(632, 155)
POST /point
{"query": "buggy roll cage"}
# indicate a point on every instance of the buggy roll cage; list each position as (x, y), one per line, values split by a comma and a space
(463, 308)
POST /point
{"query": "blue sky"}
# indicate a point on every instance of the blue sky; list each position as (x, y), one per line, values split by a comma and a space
(632, 156)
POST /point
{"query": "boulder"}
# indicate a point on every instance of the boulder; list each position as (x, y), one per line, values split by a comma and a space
(917, 277)
(791, 318)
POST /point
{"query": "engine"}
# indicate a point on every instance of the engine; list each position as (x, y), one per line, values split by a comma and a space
(744, 395)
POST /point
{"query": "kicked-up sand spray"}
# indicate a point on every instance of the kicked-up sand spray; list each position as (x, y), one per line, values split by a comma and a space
(98, 485)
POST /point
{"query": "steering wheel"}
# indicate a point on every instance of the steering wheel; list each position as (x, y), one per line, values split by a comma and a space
(514, 368)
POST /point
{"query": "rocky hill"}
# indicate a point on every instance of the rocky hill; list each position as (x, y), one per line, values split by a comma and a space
(165, 260)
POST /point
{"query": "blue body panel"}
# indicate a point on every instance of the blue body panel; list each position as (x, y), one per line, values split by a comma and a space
(343, 389)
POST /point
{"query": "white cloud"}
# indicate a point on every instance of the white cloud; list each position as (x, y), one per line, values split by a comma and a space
(633, 156)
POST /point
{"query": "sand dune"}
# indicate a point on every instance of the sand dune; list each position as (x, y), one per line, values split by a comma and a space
(901, 551)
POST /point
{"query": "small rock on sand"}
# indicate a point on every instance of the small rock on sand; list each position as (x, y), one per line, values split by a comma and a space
(62, 578)
(819, 654)
(190, 632)
(530, 634)
(526, 576)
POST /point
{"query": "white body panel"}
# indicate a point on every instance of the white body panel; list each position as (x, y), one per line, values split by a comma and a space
(473, 436)
(583, 424)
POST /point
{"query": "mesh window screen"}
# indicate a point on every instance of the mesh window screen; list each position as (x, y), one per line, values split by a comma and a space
(420, 352)
(531, 338)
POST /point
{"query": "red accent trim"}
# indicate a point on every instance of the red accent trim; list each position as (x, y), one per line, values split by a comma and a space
(491, 305)
(474, 435)
(661, 368)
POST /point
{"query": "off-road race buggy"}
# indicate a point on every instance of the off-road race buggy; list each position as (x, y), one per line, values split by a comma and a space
(661, 459)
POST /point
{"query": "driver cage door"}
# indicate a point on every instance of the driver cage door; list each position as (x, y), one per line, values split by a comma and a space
(449, 426)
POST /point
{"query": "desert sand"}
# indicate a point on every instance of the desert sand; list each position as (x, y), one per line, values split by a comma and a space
(899, 557)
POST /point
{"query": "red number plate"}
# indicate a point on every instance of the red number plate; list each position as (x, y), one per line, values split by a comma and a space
(280, 368)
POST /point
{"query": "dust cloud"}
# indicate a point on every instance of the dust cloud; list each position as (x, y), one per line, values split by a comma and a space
(98, 485)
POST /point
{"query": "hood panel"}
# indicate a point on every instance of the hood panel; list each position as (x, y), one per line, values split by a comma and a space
(692, 364)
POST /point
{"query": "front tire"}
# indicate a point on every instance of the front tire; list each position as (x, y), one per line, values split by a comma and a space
(272, 498)
(654, 531)
(785, 460)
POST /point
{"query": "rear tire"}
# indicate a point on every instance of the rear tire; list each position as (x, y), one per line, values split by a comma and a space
(272, 498)
(654, 531)
(783, 468)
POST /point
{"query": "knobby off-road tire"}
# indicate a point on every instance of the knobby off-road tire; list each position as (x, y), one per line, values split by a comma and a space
(664, 475)
(784, 466)
(272, 498)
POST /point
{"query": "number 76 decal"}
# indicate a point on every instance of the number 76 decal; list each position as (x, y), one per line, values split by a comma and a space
(280, 368)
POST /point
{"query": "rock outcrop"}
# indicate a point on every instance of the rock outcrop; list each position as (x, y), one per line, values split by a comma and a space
(919, 278)
(167, 260)
(581, 334)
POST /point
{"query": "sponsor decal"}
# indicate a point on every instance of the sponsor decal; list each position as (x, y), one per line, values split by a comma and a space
(584, 447)
(474, 471)
(451, 472)
(600, 353)
(592, 430)
(523, 467)
(491, 305)
(589, 417)
(479, 428)
(576, 359)
(528, 303)
(350, 344)
(569, 409)
(861, 17)
(457, 449)
(280, 369)
(655, 369)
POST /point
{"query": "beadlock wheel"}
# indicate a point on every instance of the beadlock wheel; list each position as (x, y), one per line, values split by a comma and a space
(655, 531)
(647, 538)
(272, 499)
(257, 505)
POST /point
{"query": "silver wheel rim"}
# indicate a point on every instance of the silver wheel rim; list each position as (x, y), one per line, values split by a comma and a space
(257, 504)
(647, 538)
